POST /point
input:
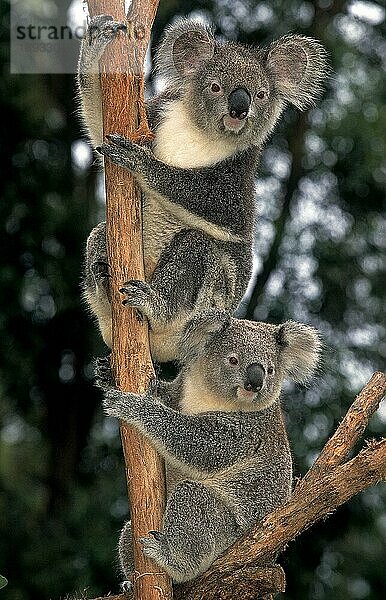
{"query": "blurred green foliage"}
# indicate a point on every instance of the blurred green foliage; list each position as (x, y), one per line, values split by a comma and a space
(62, 487)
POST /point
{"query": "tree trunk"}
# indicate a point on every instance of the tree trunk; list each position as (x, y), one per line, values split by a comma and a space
(122, 83)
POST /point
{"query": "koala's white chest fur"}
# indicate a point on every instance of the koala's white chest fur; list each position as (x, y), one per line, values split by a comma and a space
(180, 143)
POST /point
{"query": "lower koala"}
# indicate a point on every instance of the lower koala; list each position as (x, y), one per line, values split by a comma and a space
(220, 429)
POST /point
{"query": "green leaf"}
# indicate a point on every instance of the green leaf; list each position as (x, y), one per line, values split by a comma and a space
(3, 581)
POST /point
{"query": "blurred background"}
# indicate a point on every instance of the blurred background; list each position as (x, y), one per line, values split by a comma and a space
(320, 254)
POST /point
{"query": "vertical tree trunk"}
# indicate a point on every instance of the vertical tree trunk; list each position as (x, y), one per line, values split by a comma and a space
(122, 84)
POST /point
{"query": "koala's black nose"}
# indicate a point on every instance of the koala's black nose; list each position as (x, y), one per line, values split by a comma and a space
(239, 102)
(255, 377)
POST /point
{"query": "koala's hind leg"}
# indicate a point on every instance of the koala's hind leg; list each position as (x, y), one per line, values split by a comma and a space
(182, 284)
(96, 280)
(185, 268)
(197, 528)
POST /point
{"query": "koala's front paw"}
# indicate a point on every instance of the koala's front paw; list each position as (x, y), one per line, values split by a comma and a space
(139, 295)
(122, 405)
(101, 31)
(102, 372)
(124, 152)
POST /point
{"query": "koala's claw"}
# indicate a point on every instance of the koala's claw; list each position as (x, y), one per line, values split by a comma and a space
(158, 550)
(123, 405)
(126, 586)
(138, 295)
(118, 155)
(112, 403)
(152, 548)
(103, 29)
(137, 284)
(103, 374)
(157, 535)
(125, 153)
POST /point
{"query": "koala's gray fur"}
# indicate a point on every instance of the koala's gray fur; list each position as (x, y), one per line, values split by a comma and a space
(221, 102)
(220, 429)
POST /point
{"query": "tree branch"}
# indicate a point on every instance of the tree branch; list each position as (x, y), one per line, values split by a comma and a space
(122, 85)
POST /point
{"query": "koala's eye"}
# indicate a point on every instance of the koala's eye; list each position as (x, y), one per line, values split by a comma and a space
(233, 360)
(270, 370)
(261, 95)
(215, 88)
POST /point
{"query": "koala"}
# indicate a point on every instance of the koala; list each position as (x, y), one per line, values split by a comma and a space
(220, 429)
(221, 102)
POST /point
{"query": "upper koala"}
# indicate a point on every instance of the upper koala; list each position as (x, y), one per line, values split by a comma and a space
(220, 429)
(221, 102)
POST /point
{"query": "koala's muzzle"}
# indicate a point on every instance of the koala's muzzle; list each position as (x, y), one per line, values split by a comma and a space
(255, 377)
(239, 102)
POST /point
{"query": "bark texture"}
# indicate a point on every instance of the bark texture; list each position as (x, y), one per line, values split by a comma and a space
(122, 84)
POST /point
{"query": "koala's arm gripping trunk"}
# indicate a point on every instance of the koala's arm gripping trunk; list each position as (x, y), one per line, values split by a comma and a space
(122, 84)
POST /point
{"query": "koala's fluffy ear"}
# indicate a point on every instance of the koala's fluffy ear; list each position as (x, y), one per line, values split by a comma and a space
(186, 45)
(199, 330)
(299, 66)
(299, 349)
